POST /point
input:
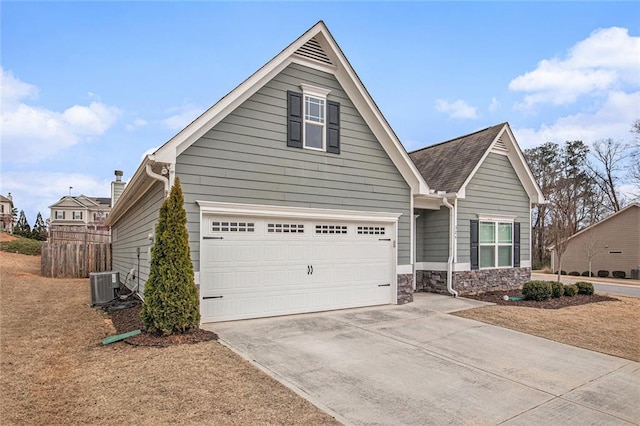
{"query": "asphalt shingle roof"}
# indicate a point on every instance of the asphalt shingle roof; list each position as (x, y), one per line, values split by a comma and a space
(445, 166)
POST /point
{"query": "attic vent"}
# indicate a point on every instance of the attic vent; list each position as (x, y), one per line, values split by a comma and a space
(313, 50)
(500, 146)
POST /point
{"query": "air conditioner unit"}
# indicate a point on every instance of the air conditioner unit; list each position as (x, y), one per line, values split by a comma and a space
(103, 285)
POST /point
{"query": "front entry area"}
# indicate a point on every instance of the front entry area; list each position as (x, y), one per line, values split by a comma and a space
(253, 267)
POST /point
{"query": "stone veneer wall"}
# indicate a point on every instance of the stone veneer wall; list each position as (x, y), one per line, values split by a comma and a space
(405, 288)
(432, 281)
(473, 282)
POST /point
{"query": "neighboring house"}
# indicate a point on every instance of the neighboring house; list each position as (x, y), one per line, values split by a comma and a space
(80, 211)
(613, 244)
(301, 198)
(6, 213)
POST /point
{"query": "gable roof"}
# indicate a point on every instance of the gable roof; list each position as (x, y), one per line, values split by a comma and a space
(317, 49)
(611, 216)
(4, 199)
(449, 166)
(84, 201)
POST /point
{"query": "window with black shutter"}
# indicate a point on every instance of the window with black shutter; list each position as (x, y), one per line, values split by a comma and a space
(313, 122)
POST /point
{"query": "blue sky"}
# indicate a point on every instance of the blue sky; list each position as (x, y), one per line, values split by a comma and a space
(89, 87)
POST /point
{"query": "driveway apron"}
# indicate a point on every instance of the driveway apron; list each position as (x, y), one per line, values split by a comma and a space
(417, 365)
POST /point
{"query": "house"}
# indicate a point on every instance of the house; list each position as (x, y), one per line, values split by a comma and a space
(301, 198)
(80, 211)
(6, 213)
(613, 244)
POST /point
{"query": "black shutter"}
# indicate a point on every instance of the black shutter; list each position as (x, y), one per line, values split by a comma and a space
(516, 245)
(294, 119)
(333, 127)
(474, 245)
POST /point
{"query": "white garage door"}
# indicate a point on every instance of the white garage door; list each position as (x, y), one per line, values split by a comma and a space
(260, 267)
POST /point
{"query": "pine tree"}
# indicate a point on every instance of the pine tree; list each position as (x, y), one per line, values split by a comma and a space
(39, 231)
(171, 303)
(22, 226)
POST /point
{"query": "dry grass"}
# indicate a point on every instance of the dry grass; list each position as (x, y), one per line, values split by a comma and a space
(54, 371)
(609, 327)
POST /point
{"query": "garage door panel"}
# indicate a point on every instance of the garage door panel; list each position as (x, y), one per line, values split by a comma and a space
(270, 270)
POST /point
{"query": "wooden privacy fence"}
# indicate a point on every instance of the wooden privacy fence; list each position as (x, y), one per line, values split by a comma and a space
(79, 234)
(74, 260)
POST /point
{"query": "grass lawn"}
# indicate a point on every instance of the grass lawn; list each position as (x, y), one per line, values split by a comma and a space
(20, 245)
(609, 327)
(53, 369)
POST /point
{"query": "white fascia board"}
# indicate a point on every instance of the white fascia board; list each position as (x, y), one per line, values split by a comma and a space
(205, 122)
(518, 163)
(522, 169)
(404, 269)
(431, 266)
(427, 202)
(130, 193)
(257, 210)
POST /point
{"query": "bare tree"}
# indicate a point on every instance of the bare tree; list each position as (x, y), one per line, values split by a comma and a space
(634, 170)
(562, 225)
(592, 246)
(606, 168)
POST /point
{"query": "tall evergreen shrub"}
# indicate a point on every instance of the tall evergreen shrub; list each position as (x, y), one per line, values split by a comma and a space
(171, 304)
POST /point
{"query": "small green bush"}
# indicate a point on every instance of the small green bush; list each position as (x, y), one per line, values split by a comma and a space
(586, 274)
(603, 274)
(574, 273)
(537, 290)
(619, 274)
(557, 289)
(22, 246)
(563, 272)
(570, 290)
(584, 287)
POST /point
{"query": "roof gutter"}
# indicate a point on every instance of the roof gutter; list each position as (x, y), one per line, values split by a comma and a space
(452, 236)
(156, 176)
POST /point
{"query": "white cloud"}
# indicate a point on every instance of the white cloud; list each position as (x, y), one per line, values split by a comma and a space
(33, 192)
(456, 109)
(607, 60)
(494, 105)
(13, 90)
(182, 119)
(136, 124)
(612, 119)
(31, 133)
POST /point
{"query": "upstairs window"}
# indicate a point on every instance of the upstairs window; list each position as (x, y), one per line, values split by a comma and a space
(313, 120)
(77, 215)
(59, 214)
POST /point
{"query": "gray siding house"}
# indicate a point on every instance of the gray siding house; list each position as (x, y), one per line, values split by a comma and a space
(300, 197)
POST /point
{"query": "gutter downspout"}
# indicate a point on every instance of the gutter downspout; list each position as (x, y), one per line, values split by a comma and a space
(451, 241)
(161, 178)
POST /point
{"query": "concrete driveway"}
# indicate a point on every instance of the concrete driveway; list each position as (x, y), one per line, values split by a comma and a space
(415, 364)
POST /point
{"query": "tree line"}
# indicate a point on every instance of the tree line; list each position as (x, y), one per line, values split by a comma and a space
(582, 186)
(23, 229)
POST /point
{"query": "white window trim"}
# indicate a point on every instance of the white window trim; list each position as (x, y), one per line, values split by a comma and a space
(61, 212)
(495, 244)
(319, 93)
(73, 215)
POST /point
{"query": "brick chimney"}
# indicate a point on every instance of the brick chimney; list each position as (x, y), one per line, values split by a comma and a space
(117, 186)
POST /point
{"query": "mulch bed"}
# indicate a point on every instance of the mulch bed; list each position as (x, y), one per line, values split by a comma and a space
(127, 319)
(552, 303)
